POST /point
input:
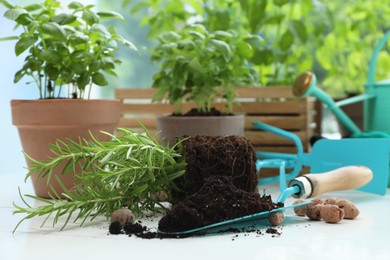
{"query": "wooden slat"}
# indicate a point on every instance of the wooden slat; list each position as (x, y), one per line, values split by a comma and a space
(259, 138)
(135, 93)
(150, 122)
(284, 122)
(276, 149)
(242, 92)
(264, 92)
(272, 105)
(286, 107)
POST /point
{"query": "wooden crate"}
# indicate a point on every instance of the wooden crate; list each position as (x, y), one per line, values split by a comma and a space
(272, 105)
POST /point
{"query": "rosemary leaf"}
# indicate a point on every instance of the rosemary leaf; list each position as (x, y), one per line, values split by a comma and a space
(123, 172)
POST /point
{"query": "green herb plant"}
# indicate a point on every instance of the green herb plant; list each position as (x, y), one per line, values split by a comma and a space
(282, 24)
(64, 48)
(126, 172)
(201, 66)
(348, 45)
(333, 38)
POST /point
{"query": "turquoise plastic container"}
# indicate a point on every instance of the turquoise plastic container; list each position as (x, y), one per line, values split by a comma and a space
(377, 108)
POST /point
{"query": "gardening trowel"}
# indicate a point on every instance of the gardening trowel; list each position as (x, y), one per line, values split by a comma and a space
(305, 186)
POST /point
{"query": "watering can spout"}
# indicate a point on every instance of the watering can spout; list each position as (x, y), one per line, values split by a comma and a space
(306, 84)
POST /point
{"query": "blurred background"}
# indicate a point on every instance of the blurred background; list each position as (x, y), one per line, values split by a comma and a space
(333, 38)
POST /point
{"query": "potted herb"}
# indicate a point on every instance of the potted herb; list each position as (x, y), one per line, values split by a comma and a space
(202, 67)
(67, 53)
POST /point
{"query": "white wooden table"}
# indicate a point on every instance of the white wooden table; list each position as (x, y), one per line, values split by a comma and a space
(367, 237)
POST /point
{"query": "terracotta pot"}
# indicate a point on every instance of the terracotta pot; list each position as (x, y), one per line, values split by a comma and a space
(171, 127)
(42, 122)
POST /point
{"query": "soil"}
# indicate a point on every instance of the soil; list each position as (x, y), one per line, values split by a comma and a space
(207, 156)
(218, 200)
(220, 184)
(196, 112)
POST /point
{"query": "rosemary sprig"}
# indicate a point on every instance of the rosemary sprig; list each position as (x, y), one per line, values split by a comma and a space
(126, 171)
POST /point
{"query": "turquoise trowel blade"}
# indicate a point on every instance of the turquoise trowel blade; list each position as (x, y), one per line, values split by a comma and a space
(232, 222)
(328, 155)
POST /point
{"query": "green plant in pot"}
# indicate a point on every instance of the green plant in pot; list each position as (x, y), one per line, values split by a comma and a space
(67, 52)
(200, 70)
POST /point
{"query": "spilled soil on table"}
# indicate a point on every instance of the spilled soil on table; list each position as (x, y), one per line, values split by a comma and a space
(218, 200)
(219, 184)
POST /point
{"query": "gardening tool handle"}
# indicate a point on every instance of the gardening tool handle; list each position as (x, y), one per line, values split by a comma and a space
(344, 178)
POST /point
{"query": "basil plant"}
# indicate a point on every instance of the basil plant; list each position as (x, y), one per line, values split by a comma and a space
(201, 66)
(67, 51)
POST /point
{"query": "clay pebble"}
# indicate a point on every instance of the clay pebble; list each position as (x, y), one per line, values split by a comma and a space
(350, 210)
(300, 211)
(331, 213)
(123, 217)
(276, 218)
(313, 212)
(331, 200)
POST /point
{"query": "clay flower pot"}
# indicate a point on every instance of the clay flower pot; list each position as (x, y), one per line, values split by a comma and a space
(171, 127)
(42, 122)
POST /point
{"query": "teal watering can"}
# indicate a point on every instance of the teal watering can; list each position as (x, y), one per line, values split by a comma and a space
(326, 155)
(376, 100)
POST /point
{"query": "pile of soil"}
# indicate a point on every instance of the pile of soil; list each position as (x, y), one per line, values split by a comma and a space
(207, 156)
(219, 184)
(218, 200)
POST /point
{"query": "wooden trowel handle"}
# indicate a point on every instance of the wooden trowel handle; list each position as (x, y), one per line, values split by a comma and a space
(344, 178)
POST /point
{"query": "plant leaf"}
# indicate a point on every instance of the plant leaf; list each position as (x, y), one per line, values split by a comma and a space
(19, 75)
(286, 40)
(300, 30)
(33, 7)
(79, 56)
(63, 19)
(90, 17)
(245, 49)
(23, 44)
(50, 56)
(280, 2)
(13, 14)
(99, 79)
(223, 48)
(54, 30)
(83, 80)
(111, 15)
(195, 65)
(6, 4)
(52, 72)
(75, 5)
(99, 29)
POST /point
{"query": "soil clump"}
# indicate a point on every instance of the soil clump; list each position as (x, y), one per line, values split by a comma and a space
(218, 200)
(207, 156)
(220, 183)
